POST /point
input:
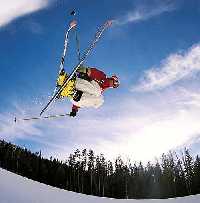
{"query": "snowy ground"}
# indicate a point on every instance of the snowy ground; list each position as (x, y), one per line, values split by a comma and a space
(17, 189)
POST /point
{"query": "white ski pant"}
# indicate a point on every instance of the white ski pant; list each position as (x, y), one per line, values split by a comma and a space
(91, 96)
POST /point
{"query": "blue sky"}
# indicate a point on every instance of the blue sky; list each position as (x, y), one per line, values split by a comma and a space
(153, 46)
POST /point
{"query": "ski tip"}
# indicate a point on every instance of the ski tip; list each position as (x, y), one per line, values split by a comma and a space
(109, 23)
(73, 23)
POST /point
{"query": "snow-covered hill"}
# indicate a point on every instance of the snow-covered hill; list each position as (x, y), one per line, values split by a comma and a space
(17, 189)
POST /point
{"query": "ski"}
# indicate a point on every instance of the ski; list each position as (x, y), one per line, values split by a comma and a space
(85, 54)
(66, 41)
(72, 25)
(40, 118)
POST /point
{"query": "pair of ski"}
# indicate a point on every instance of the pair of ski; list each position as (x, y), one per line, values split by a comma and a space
(71, 75)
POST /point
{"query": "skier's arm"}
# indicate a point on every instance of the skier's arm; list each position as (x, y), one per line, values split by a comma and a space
(74, 110)
(106, 84)
(91, 72)
(96, 74)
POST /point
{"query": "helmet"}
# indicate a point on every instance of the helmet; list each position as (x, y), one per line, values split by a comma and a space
(116, 82)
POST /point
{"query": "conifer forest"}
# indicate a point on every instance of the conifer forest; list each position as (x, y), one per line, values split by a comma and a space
(85, 172)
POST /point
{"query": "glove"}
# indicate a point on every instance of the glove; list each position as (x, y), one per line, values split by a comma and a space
(73, 113)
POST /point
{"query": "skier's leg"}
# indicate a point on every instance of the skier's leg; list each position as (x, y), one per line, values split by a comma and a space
(88, 100)
(92, 87)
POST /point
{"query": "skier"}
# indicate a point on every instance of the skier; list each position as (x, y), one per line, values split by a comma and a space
(86, 89)
(66, 83)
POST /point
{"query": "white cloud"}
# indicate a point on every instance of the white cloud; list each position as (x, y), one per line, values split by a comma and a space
(159, 126)
(140, 128)
(174, 68)
(150, 126)
(12, 9)
(145, 12)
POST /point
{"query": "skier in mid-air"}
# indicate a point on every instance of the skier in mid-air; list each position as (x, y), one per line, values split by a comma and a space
(83, 85)
(85, 90)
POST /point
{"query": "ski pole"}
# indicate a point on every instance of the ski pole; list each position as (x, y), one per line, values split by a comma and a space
(41, 118)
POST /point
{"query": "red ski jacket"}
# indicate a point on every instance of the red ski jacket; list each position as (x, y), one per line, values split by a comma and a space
(100, 78)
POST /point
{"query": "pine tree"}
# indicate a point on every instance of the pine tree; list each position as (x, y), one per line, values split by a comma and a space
(83, 168)
(196, 177)
(188, 169)
(91, 159)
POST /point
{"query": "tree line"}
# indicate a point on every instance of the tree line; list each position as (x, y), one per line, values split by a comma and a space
(88, 173)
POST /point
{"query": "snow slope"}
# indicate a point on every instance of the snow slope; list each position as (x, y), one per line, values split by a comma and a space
(17, 189)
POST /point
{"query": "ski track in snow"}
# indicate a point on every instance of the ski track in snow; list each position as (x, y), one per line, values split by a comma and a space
(18, 189)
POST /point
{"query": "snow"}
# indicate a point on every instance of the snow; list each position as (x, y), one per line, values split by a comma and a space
(17, 189)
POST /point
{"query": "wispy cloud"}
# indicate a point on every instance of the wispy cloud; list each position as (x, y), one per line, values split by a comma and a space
(174, 68)
(12, 9)
(145, 11)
